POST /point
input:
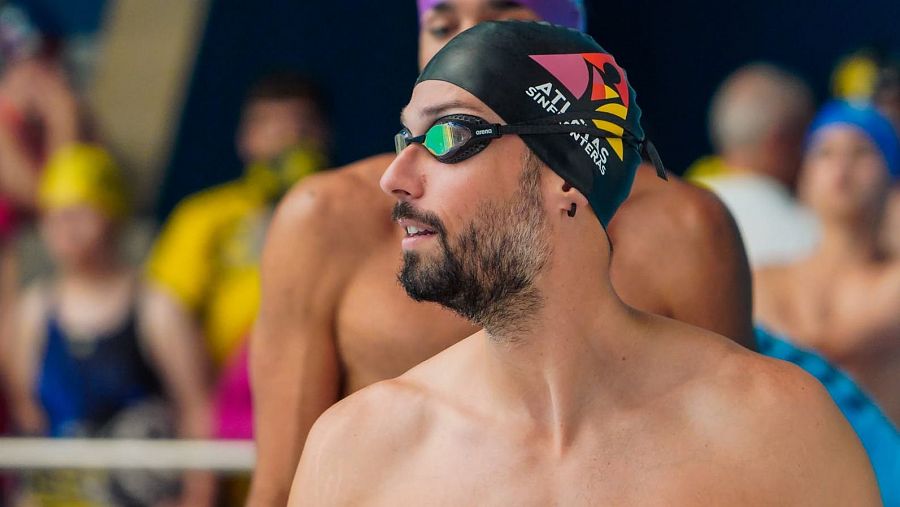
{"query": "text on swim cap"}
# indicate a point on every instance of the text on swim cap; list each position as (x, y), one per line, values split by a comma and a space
(552, 100)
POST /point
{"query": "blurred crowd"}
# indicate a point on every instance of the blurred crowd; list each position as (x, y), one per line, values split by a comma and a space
(98, 346)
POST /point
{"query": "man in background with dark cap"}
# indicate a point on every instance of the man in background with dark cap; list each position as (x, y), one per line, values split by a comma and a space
(567, 396)
(333, 319)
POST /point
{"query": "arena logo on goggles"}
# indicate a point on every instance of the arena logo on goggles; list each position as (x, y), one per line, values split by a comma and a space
(577, 73)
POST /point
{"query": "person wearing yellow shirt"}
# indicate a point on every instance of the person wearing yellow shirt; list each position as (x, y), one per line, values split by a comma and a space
(208, 252)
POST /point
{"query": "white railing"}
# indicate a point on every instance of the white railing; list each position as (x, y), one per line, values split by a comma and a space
(56, 453)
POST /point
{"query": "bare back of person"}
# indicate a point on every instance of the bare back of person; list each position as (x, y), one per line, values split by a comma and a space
(851, 315)
(690, 423)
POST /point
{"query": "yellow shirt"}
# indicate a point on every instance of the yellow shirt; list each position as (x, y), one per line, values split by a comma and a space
(208, 254)
(710, 166)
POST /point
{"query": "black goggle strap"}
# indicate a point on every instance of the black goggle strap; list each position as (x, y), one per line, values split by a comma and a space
(648, 151)
(551, 125)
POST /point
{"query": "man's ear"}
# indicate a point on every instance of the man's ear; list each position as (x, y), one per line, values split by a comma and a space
(566, 198)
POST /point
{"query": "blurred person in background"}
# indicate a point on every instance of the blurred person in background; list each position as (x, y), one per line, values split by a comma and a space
(206, 259)
(757, 120)
(8, 287)
(39, 112)
(887, 100)
(844, 299)
(873, 74)
(95, 351)
(333, 319)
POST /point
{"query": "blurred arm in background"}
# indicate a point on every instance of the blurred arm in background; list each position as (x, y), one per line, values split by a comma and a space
(8, 279)
(38, 114)
(172, 339)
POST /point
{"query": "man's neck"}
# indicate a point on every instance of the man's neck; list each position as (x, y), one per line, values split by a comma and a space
(565, 362)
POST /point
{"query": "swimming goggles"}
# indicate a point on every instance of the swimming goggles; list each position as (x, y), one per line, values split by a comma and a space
(457, 137)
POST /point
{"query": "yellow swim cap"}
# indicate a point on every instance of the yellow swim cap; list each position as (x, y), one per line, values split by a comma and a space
(855, 77)
(83, 174)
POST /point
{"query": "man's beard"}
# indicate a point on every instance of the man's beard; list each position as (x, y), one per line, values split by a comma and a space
(488, 273)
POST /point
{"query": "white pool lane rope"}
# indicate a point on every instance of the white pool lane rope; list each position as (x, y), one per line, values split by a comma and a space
(61, 453)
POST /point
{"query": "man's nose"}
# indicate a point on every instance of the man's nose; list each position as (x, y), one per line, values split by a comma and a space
(403, 178)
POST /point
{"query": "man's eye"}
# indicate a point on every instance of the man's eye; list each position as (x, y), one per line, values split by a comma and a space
(440, 32)
(506, 5)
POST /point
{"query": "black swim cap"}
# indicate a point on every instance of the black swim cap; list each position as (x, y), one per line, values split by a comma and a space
(529, 71)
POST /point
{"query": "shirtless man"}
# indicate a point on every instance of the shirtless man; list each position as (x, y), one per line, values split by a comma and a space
(844, 300)
(567, 396)
(334, 320)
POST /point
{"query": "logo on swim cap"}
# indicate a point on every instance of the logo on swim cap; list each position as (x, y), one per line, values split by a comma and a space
(599, 73)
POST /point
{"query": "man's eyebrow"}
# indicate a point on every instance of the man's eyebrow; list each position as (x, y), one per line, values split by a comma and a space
(443, 7)
(438, 110)
(505, 4)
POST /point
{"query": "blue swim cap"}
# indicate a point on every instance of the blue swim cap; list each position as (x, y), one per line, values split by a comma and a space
(866, 118)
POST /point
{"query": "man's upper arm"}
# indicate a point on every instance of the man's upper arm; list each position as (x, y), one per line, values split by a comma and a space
(304, 268)
(295, 369)
(710, 283)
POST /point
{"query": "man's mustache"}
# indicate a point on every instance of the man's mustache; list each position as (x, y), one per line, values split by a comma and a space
(406, 210)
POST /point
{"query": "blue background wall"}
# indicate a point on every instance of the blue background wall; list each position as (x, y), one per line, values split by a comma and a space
(364, 52)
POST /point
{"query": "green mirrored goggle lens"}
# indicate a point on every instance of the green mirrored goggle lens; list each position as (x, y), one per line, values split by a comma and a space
(442, 139)
(445, 138)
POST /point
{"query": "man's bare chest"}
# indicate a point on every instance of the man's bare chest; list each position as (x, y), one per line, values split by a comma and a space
(464, 476)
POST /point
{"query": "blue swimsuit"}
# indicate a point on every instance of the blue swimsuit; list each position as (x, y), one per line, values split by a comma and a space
(81, 386)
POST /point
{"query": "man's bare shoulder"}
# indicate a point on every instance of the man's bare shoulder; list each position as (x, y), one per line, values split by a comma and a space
(397, 412)
(384, 408)
(732, 386)
(349, 189)
(778, 425)
(705, 278)
(338, 206)
(674, 205)
(366, 434)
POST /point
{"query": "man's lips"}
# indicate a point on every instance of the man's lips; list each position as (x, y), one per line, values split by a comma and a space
(415, 228)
